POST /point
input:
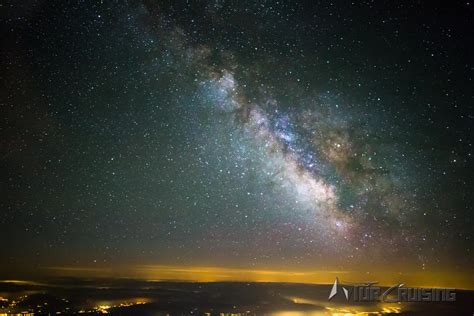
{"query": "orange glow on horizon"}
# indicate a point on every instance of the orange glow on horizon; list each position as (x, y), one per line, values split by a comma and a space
(221, 274)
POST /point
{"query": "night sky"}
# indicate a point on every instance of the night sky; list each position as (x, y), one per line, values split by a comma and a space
(252, 135)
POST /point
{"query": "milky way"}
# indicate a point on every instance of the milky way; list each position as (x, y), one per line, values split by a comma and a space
(302, 158)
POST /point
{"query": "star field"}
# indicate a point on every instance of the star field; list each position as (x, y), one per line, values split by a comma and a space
(270, 135)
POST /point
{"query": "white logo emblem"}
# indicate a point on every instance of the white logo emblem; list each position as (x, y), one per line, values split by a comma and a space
(334, 290)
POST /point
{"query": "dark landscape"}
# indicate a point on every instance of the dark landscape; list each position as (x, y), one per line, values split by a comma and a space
(135, 297)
